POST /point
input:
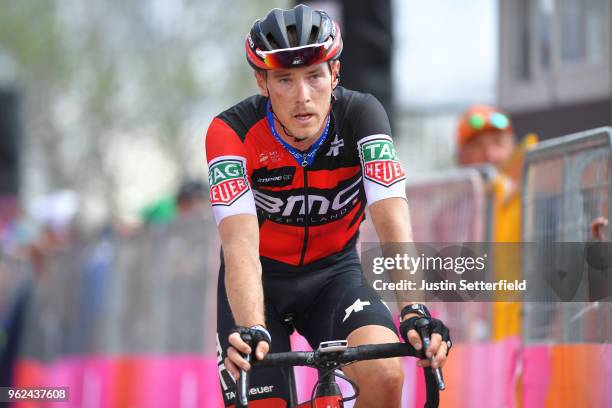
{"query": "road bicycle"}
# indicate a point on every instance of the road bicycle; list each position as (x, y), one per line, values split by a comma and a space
(330, 357)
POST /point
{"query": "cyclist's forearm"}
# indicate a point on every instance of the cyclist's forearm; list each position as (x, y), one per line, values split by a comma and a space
(244, 287)
(240, 241)
(391, 219)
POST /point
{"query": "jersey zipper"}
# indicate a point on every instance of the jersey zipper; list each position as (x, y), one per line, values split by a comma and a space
(306, 210)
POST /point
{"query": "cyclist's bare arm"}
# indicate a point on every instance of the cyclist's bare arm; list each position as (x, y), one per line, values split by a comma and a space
(391, 219)
(240, 242)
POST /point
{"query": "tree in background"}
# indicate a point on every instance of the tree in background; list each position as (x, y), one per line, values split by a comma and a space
(104, 76)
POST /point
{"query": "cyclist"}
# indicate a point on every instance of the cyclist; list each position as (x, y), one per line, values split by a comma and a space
(291, 171)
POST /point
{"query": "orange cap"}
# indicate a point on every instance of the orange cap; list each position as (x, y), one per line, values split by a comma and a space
(480, 118)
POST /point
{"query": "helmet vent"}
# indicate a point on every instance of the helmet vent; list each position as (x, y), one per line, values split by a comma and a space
(313, 35)
(292, 35)
(272, 41)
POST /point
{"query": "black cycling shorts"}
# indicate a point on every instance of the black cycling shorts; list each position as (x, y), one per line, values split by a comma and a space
(327, 302)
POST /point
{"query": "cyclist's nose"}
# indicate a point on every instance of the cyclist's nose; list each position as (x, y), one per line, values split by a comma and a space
(303, 92)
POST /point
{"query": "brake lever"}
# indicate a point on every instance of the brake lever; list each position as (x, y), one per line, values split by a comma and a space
(242, 391)
(422, 326)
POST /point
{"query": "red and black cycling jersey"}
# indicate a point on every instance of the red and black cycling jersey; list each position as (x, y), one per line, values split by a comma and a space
(306, 212)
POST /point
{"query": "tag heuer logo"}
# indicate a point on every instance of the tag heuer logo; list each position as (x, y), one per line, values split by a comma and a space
(380, 162)
(227, 181)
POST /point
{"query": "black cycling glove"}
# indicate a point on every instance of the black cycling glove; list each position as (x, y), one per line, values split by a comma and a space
(253, 335)
(435, 325)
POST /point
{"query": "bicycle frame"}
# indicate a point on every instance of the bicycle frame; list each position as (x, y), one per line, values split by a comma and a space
(323, 402)
(328, 393)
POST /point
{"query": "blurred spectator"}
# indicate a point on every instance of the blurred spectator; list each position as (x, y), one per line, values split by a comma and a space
(160, 212)
(55, 213)
(192, 197)
(485, 136)
(17, 233)
(9, 209)
(96, 271)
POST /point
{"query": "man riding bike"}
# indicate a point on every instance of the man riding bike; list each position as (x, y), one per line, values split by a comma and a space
(291, 173)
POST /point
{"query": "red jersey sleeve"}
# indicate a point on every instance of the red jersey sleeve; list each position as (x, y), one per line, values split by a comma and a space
(230, 191)
(383, 174)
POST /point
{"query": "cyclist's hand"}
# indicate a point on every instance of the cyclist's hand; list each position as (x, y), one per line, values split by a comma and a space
(440, 340)
(256, 336)
(438, 349)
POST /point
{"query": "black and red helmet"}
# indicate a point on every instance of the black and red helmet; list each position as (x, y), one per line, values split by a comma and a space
(292, 38)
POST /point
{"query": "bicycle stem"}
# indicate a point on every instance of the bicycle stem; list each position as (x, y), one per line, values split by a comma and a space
(327, 385)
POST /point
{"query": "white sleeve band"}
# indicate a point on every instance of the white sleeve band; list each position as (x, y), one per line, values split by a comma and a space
(230, 191)
(383, 175)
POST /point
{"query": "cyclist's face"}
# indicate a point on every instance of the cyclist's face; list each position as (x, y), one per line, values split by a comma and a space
(300, 97)
(492, 146)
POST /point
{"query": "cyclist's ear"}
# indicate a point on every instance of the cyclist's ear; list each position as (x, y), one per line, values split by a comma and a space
(261, 76)
(335, 73)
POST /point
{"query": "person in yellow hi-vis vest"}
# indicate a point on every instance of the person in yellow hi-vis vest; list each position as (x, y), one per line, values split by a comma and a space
(485, 136)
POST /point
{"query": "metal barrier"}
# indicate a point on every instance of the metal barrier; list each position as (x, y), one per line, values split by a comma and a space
(154, 293)
(126, 321)
(456, 207)
(453, 207)
(566, 188)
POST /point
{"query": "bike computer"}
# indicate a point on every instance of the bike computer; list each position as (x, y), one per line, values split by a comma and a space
(332, 346)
